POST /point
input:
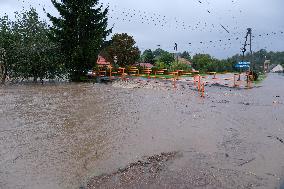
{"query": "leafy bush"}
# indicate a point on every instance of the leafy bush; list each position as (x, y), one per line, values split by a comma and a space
(180, 66)
(160, 65)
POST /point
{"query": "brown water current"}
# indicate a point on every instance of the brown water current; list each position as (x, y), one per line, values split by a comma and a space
(68, 135)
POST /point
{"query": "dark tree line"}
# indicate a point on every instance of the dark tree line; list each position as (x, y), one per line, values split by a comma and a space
(206, 63)
(258, 58)
(29, 48)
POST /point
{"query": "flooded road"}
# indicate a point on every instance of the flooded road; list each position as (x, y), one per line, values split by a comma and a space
(49, 135)
(67, 135)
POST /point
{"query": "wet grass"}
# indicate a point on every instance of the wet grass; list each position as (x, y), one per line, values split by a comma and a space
(260, 79)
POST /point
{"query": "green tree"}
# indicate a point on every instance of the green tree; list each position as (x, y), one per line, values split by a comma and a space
(180, 66)
(258, 58)
(148, 56)
(201, 61)
(3, 72)
(160, 65)
(81, 29)
(185, 55)
(5, 47)
(158, 52)
(166, 57)
(163, 56)
(122, 47)
(34, 55)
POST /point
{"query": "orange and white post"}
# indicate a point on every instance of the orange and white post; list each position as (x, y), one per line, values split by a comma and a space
(203, 90)
(199, 82)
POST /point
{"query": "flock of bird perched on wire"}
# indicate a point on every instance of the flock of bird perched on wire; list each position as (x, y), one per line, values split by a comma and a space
(230, 35)
(162, 21)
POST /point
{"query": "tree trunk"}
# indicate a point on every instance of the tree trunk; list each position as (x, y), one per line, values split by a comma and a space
(35, 79)
(4, 76)
(41, 80)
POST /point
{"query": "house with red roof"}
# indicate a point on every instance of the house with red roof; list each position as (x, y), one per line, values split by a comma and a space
(102, 62)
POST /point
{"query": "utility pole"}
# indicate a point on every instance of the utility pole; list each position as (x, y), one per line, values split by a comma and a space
(248, 35)
(250, 48)
(176, 48)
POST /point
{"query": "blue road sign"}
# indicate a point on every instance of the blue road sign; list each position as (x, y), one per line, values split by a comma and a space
(243, 65)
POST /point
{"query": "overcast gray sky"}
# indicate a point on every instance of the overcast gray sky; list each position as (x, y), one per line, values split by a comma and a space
(194, 25)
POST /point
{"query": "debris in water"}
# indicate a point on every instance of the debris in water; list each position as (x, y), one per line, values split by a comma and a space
(245, 103)
(277, 138)
(246, 162)
(280, 139)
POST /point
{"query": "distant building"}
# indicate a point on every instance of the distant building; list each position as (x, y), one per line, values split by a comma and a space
(102, 62)
(277, 69)
(185, 61)
(266, 65)
(144, 65)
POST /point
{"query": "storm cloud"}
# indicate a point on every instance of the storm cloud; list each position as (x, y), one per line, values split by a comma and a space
(196, 26)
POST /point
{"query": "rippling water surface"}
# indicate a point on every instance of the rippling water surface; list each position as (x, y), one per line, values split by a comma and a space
(59, 135)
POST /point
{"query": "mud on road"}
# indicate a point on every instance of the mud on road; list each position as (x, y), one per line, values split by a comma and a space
(101, 136)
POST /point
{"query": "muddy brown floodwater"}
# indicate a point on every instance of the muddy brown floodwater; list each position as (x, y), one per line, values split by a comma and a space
(64, 136)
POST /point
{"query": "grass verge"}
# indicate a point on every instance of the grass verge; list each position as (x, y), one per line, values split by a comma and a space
(261, 78)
